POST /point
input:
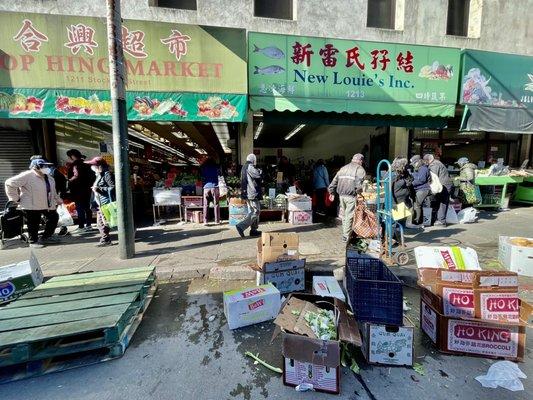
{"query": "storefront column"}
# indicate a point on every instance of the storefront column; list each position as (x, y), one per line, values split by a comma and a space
(525, 149)
(398, 142)
(246, 138)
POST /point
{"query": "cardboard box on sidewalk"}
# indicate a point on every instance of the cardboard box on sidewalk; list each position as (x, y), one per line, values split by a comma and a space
(516, 254)
(473, 336)
(388, 344)
(251, 305)
(300, 217)
(277, 246)
(19, 278)
(300, 202)
(287, 276)
(327, 286)
(308, 359)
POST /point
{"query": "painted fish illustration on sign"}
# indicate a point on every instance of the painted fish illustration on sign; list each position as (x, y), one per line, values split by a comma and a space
(270, 70)
(270, 51)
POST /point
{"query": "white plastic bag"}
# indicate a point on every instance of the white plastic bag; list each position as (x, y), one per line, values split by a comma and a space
(504, 374)
(65, 219)
(434, 184)
(222, 187)
(428, 215)
(451, 216)
(467, 215)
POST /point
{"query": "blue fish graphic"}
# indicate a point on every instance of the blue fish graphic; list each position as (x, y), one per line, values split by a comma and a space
(270, 52)
(270, 70)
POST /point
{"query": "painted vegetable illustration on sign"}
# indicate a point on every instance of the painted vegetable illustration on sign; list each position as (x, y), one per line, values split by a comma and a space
(270, 70)
(146, 106)
(80, 105)
(529, 86)
(270, 51)
(436, 71)
(215, 107)
(18, 103)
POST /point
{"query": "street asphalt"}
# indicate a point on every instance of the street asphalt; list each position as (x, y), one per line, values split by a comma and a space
(184, 350)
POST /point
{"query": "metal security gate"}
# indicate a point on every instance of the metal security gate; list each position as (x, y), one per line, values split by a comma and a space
(16, 148)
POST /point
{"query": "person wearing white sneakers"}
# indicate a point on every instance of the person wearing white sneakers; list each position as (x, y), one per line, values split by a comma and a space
(35, 191)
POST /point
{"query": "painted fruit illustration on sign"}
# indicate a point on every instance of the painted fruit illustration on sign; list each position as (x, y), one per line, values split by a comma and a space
(529, 85)
(216, 108)
(436, 71)
(270, 70)
(18, 103)
(146, 107)
(80, 105)
(270, 51)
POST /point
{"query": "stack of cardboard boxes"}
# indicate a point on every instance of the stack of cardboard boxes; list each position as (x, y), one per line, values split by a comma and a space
(19, 278)
(465, 310)
(300, 209)
(279, 262)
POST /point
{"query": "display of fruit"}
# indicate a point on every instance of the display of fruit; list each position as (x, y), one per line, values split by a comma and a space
(18, 103)
(216, 108)
(79, 105)
(146, 106)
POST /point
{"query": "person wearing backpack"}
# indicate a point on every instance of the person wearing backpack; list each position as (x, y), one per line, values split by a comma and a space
(441, 199)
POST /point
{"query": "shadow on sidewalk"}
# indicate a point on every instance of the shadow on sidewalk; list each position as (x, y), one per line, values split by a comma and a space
(161, 236)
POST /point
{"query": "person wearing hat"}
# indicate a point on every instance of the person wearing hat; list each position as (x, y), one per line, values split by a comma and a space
(421, 187)
(104, 193)
(347, 183)
(440, 201)
(465, 181)
(251, 180)
(35, 191)
(80, 179)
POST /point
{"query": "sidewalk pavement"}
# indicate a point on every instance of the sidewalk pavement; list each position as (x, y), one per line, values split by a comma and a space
(185, 251)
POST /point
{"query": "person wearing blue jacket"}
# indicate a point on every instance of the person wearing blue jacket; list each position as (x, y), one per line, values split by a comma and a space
(421, 179)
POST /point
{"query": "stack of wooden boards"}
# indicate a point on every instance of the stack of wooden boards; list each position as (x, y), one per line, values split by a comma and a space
(73, 320)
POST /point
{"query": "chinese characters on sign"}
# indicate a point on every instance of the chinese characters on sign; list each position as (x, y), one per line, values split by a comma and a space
(379, 58)
(177, 43)
(133, 43)
(30, 38)
(81, 36)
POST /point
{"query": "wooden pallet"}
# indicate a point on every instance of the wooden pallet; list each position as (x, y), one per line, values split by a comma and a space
(72, 321)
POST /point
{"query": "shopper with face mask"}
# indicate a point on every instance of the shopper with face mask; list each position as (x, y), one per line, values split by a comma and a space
(420, 183)
(104, 193)
(80, 179)
(35, 191)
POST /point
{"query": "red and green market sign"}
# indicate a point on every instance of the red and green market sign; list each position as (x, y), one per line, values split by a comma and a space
(57, 67)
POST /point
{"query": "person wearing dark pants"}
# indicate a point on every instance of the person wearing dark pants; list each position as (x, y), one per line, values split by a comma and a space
(104, 192)
(320, 185)
(212, 194)
(33, 222)
(210, 172)
(35, 191)
(421, 187)
(441, 200)
(80, 179)
(251, 180)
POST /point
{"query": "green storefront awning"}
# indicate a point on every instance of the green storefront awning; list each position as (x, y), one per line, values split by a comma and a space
(497, 91)
(296, 73)
(56, 66)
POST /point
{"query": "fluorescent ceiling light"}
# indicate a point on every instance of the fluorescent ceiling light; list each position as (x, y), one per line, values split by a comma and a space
(294, 131)
(258, 130)
(180, 134)
(201, 151)
(222, 132)
(155, 161)
(190, 143)
(154, 142)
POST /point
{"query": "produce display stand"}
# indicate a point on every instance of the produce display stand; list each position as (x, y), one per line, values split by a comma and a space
(524, 191)
(498, 199)
(273, 207)
(166, 198)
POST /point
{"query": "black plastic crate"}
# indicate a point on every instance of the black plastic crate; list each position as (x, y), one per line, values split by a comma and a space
(375, 293)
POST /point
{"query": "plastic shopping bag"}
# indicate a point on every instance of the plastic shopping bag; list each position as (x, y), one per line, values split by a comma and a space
(401, 211)
(505, 374)
(451, 216)
(65, 219)
(110, 214)
(467, 215)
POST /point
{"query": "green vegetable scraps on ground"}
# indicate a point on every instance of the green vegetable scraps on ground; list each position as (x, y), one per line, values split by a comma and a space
(419, 368)
(322, 323)
(355, 368)
(295, 312)
(263, 363)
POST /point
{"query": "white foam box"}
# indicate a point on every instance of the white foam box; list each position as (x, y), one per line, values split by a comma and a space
(251, 305)
(452, 258)
(19, 278)
(300, 203)
(515, 258)
(287, 276)
(388, 344)
(327, 286)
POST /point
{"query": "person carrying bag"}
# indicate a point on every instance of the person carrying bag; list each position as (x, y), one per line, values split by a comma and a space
(365, 224)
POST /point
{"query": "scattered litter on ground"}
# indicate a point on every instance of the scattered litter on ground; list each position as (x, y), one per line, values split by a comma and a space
(405, 306)
(295, 312)
(211, 318)
(505, 374)
(263, 363)
(355, 368)
(304, 387)
(414, 378)
(419, 368)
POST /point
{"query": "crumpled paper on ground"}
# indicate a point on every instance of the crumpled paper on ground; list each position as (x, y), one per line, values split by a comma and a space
(505, 374)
